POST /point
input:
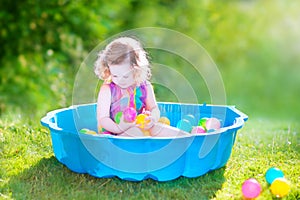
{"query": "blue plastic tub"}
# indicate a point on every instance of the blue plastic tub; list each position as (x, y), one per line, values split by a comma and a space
(136, 159)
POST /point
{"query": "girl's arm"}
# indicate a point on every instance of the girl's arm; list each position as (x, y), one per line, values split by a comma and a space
(151, 104)
(103, 112)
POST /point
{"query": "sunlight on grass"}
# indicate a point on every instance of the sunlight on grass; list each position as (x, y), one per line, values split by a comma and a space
(261, 144)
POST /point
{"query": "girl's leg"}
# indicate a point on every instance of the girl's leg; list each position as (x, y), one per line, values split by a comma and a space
(133, 132)
(162, 130)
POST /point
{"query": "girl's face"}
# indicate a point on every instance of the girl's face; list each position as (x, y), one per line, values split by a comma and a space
(122, 74)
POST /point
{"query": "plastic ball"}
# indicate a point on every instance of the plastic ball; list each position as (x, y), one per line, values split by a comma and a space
(280, 187)
(141, 120)
(129, 114)
(272, 174)
(198, 129)
(146, 112)
(87, 131)
(84, 130)
(164, 120)
(91, 132)
(251, 188)
(184, 125)
(100, 129)
(191, 119)
(117, 117)
(213, 123)
(202, 122)
(146, 133)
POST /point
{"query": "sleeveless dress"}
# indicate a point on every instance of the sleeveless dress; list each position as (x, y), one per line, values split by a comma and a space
(121, 99)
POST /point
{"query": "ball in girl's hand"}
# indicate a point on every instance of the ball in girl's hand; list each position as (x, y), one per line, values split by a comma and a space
(129, 114)
(146, 112)
(141, 120)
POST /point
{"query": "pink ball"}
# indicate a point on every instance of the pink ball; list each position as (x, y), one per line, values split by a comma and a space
(146, 112)
(198, 129)
(251, 188)
(129, 114)
(213, 123)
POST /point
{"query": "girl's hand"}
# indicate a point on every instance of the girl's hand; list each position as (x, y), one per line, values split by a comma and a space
(124, 126)
(150, 121)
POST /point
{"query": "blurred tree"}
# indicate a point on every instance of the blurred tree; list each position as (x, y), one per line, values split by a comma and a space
(43, 43)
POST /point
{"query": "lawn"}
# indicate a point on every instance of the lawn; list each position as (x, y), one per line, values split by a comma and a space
(29, 169)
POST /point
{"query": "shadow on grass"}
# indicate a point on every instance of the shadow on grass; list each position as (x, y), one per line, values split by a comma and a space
(49, 179)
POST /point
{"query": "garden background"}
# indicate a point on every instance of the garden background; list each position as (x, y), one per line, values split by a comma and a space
(255, 45)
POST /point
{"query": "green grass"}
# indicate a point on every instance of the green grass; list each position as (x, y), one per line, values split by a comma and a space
(29, 169)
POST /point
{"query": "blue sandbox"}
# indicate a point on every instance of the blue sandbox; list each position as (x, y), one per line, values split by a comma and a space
(136, 159)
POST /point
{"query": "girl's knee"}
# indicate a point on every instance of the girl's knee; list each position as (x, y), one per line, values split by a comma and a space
(133, 132)
(162, 130)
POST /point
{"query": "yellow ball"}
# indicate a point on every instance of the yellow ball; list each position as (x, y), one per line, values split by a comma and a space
(146, 133)
(280, 187)
(91, 132)
(141, 120)
(164, 120)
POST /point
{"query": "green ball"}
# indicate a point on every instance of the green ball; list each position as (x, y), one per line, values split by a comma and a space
(202, 122)
(84, 130)
(118, 117)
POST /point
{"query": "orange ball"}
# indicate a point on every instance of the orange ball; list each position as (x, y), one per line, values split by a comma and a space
(164, 120)
(141, 120)
(280, 187)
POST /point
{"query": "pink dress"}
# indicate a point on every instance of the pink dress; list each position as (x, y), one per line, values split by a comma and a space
(134, 97)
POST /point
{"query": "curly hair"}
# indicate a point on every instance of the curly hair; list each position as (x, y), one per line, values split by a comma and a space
(119, 51)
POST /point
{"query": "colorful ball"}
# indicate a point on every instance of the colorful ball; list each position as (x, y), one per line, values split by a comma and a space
(251, 188)
(91, 132)
(198, 129)
(146, 133)
(141, 120)
(191, 119)
(87, 131)
(280, 187)
(272, 174)
(184, 125)
(202, 122)
(213, 123)
(146, 112)
(118, 117)
(84, 130)
(164, 120)
(129, 114)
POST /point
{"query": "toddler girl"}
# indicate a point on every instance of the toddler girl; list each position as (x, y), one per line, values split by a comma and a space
(125, 69)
